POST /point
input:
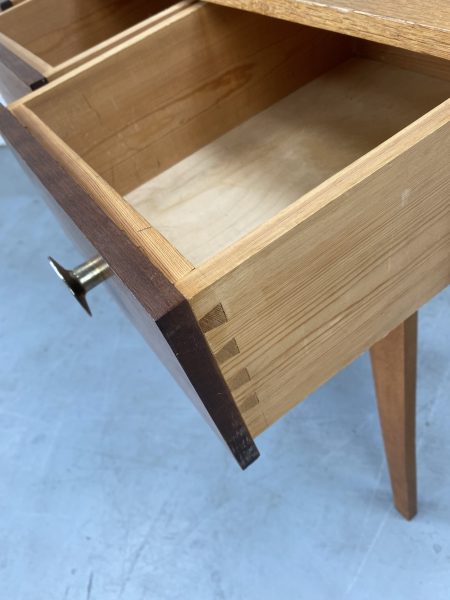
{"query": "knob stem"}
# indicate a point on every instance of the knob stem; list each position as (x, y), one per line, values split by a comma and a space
(83, 278)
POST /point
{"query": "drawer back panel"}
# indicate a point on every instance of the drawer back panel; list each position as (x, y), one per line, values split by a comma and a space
(200, 73)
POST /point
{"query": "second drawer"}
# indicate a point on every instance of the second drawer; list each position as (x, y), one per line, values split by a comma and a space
(41, 40)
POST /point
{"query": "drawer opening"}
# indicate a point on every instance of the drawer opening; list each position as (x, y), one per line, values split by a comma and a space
(216, 120)
(56, 31)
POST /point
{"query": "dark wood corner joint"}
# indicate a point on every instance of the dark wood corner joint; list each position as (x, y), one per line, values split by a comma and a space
(158, 296)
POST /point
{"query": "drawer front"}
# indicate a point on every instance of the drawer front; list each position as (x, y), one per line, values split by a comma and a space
(155, 306)
(41, 40)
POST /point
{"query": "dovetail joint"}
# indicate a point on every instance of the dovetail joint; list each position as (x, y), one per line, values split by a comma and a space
(230, 350)
(249, 402)
(239, 379)
(213, 319)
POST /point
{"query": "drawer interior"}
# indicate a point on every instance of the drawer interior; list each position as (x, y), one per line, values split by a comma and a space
(57, 30)
(216, 120)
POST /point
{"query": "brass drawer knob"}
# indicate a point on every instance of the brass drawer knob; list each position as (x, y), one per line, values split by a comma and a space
(83, 278)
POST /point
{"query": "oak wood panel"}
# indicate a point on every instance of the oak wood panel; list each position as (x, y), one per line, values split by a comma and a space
(163, 307)
(231, 65)
(336, 271)
(158, 12)
(415, 25)
(394, 364)
(217, 195)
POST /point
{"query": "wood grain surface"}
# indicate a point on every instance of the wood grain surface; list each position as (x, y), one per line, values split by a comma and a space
(130, 129)
(222, 192)
(324, 280)
(74, 33)
(56, 31)
(405, 59)
(394, 364)
(157, 296)
(415, 25)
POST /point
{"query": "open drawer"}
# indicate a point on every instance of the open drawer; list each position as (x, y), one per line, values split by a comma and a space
(42, 39)
(270, 202)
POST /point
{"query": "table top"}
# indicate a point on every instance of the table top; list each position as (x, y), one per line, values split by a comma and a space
(411, 24)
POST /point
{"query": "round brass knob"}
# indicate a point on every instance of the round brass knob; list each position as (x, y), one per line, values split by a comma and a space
(83, 278)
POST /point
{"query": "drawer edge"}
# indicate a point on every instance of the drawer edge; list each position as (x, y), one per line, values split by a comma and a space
(161, 301)
(378, 26)
(352, 268)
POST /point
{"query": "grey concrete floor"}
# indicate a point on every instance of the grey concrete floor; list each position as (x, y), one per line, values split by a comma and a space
(112, 487)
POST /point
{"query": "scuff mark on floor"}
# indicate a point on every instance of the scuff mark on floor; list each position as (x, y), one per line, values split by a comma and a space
(90, 586)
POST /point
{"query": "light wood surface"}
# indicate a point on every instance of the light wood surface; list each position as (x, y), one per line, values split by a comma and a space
(413, 61)
(412, 24)
(217, 195)
(394, 363)
(56, 31)
(158, 12)
(69, 34)
(131, 122)
(158, 250)
(334, 272)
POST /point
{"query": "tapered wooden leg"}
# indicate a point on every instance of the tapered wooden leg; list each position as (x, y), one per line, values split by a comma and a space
(394, 364)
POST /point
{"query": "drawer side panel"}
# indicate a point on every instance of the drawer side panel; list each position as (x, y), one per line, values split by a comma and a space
(355, 260)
